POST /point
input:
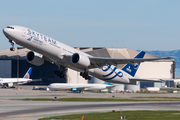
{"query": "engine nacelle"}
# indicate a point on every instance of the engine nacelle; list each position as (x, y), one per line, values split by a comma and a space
(80, 60)
(35, 58)
(9, 85)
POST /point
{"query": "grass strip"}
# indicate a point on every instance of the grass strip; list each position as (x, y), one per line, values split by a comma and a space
(160, 97)
(170, 89)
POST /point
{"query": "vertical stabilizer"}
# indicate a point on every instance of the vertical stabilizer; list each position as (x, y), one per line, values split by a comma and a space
(132, 68)
(28, 73)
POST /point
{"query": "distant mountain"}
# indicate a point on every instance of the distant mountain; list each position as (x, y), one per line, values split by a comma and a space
(174, 53)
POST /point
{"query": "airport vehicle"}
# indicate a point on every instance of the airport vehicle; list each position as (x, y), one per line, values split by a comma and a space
(153, 89)
(11, 82)
(47, 49)
(79, 87)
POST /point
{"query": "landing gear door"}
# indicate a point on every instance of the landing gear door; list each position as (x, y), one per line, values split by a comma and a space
(23, 32)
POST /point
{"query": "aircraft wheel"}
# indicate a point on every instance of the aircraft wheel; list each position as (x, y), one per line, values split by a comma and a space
(81, 74)
(12, 49)
(89, 78)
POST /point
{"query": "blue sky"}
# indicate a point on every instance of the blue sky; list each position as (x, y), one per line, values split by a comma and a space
(133, 24)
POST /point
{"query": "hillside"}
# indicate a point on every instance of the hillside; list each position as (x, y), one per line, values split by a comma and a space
(174, 53)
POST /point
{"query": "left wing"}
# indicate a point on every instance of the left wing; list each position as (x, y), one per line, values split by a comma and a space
(97, 62)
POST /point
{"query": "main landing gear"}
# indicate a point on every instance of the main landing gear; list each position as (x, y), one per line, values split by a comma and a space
(85, 75)
(62, 72)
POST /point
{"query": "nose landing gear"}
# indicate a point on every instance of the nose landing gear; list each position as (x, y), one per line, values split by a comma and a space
(12, 48)
(12, 44)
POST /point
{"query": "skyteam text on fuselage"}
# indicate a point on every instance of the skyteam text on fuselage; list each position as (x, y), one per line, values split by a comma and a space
(45, 48)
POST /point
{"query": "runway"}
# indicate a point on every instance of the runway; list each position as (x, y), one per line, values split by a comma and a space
(13, 109)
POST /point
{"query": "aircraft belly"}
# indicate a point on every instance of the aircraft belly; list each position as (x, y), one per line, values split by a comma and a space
(93, 88)
(109, 76)
(60, 88)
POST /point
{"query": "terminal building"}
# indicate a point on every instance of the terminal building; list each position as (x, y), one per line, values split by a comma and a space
(13, 64)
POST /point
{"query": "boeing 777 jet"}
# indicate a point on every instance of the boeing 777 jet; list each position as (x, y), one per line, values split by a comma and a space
(45, 48)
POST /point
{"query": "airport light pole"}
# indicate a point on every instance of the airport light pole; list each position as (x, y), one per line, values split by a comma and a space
(17, 68)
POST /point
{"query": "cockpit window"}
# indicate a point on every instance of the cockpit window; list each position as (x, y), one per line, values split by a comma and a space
(10, 27)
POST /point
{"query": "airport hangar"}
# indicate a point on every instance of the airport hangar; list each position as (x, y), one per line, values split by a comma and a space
(9, 60)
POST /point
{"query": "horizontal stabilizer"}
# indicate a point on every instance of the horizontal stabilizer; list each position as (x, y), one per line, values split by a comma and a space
(146, 80)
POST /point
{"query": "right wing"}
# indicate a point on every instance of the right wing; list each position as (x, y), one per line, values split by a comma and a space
(101, 61)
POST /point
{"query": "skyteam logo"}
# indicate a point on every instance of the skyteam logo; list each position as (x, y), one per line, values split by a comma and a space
(29, 39)
(113, 72)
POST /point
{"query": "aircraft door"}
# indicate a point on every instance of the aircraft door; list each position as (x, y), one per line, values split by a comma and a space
(23, 32)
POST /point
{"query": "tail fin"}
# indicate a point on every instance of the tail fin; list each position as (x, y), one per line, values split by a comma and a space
(132, 68)
(28, 73)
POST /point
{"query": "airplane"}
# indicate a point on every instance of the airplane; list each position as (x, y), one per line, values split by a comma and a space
(10, 82)
(45, 48)
(79, 87)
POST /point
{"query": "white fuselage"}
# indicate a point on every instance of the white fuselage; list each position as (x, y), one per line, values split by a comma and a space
(14, 80)
(71, 86)
(55, 50)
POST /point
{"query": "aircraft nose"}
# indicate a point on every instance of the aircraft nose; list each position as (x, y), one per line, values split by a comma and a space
(5, 31)
(48, 87)
(8, 32)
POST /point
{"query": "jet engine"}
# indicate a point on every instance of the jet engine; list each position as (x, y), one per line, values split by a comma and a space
(35, 58)
(9, 84)
(80, 60)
